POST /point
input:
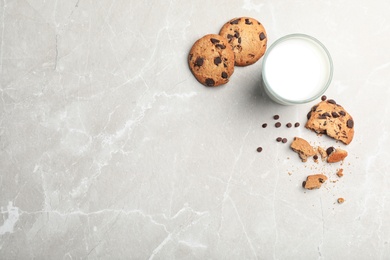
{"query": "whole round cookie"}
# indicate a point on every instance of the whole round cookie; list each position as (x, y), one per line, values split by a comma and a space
(211, 60)
(248, 39)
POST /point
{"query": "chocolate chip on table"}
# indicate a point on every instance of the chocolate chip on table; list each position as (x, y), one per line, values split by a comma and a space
(297, 124)
(210, 82)
(214, 41)
(284, 140)
(276, 117)
(330, 150)
(217, 60)
(289, 125)
(277, 124)
(315, 157)
(350, 123)
(279, 139)
(224, 75)
(264, 125)
(259, 149)
(262, 36)
(323, 98)
(199, 61)
(332, 101)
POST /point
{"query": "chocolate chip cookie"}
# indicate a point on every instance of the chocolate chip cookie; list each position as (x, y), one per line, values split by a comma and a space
(248, 38)
(328, 117)
(211, 60)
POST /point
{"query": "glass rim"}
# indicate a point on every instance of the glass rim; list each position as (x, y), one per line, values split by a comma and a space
(282, 39)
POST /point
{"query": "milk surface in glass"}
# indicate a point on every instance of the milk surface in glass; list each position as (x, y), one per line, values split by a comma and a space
(297, 69)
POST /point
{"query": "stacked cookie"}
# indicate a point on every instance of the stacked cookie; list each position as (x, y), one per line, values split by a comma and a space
(240, 42)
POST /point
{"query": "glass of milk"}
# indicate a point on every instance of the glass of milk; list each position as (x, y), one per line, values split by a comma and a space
(297, 69)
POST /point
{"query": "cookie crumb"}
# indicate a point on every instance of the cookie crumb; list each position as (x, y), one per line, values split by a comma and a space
(340, 200)
(340, 173)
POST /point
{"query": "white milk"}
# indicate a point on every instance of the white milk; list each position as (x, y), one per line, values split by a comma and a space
(296, 69)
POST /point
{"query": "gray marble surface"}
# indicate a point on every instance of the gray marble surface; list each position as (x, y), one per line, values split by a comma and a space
(110, 149)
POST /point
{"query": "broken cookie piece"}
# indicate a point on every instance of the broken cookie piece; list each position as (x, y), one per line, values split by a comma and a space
(336, 155)
(303, 148)
(328, 117)
(322, 152)
(340, 173)
(314, 181)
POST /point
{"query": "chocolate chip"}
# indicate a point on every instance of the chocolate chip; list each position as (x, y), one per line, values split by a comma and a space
(236, 34)
(217, 60)
(239, 40)
(214, 41)
(259, 149)
(350, 123)
(326, 114)
(315, 157)
(342, 113)
(332, 101)
(334, 114)
(314, 108)
(303, 184)
(235, 21)
(190, 56)
(279, 139)
(296, 124)
(322, 117)
(323, 98)
(210, 82)
(199, 61)
(289, 125)
(278, 124)
(284, 140)
(224, 75)
(264, 125)
(221, 46)
(262, 36)
(247, 21)
(230, 37)
(276, 117)
(330, 150)
(321, 180)
(308, 115)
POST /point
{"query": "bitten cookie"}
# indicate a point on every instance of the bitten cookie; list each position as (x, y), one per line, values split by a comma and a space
(211, 60)
(248, 38)
(331, 119)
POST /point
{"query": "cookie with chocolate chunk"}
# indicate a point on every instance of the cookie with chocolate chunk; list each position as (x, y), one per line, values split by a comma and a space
(211, 60)
(248, 38)
(328, 117)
